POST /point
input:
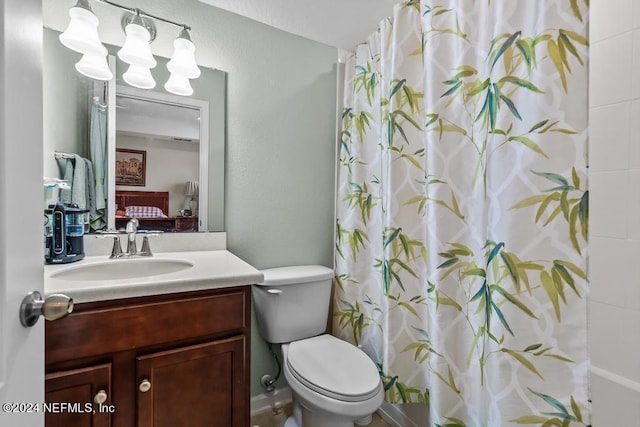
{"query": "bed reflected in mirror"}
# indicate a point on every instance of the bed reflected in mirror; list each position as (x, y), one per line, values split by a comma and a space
(149, 208)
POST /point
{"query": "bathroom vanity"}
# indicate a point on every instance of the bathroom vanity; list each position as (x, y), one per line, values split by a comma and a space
(166, 359)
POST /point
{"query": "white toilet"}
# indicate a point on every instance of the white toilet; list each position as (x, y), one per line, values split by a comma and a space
(333, 383)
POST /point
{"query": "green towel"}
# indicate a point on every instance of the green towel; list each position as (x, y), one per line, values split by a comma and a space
(98, 156)
(79, 172)
(66, 173)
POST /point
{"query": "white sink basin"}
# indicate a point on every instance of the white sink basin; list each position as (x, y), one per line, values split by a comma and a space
(122, 269)
(98, 278)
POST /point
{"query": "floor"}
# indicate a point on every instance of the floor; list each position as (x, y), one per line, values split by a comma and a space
(277, 417)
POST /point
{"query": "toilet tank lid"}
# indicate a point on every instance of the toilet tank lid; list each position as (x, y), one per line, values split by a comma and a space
(295, 274)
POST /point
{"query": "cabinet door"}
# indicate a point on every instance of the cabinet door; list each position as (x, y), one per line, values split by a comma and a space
(72, 397)
(195, 386)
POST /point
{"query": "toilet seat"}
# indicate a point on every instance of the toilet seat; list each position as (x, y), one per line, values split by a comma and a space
(333, 368)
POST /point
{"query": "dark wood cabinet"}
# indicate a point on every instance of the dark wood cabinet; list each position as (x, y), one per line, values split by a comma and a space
(86, 389)
(166, 360)
(192, 386)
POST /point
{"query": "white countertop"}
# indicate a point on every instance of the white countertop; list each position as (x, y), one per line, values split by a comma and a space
(210, 270)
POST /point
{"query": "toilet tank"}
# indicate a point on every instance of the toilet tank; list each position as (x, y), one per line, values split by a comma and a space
(292, 303)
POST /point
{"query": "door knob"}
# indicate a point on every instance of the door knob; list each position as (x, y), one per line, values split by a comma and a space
(145, 386)
(53, 307)
(100, 397)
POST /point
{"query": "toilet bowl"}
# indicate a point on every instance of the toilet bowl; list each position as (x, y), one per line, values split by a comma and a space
(333, 383)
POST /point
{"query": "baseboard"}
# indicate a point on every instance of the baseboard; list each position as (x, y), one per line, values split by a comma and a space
(615, 399)
(400, 416)
(388, 413)
(265, 401)
(620, 380)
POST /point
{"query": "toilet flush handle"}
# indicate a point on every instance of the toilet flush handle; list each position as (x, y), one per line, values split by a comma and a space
(274, 291)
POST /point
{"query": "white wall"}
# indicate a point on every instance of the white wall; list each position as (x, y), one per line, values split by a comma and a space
(614, 159)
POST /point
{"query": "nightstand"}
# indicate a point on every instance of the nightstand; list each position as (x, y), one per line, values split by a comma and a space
(186, 223)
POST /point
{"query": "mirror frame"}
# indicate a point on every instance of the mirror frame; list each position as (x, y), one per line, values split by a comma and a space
(170, 99)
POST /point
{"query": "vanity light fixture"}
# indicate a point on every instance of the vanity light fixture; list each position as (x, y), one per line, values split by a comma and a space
(139, 76)
(136, 51)
(183, 61)
(178, 85)
(82, 36)
(136, 48)
(182, 65)
(95, 66)
(82, 33)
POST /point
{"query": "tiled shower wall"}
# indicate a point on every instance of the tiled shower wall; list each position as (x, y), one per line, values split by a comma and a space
(614, 169)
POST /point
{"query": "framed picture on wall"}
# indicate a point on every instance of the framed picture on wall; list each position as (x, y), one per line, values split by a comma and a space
(131, 167)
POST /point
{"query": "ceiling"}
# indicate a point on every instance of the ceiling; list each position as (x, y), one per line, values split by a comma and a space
(340, 23)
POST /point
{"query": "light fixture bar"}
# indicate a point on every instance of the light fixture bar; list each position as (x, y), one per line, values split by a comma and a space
(142, 13)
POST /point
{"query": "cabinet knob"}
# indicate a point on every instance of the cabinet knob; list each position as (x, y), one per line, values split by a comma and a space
(145, 386)
(100, 397)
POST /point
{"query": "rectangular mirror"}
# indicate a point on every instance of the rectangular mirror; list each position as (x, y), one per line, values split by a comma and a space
(176, 144)
(161, 168)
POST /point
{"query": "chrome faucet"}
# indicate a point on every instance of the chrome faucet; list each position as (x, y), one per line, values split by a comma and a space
(132, 229)
(116, 251)
(146, 248)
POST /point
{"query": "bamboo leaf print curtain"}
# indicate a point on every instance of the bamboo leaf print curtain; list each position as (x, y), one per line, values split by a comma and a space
(463, 210)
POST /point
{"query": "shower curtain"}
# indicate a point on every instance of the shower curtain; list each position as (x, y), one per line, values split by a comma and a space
(462, 210)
